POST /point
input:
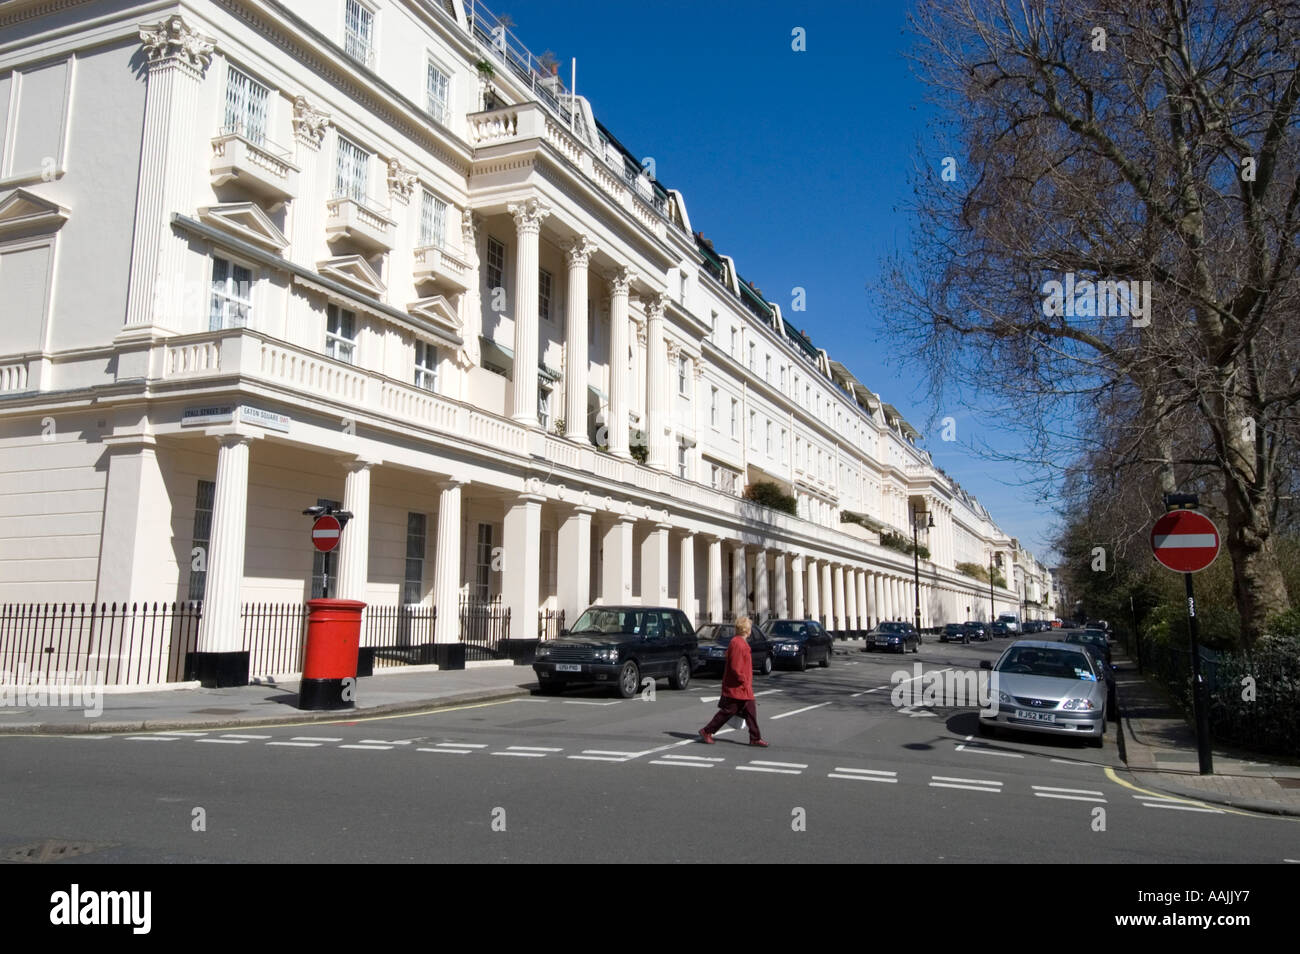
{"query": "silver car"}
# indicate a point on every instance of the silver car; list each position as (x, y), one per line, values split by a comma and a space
(1048, 687)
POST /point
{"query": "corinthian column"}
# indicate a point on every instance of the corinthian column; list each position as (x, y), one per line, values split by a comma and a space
(178, 57)
(620, 283)
(528, 225)
(656, 382)
(578, 256)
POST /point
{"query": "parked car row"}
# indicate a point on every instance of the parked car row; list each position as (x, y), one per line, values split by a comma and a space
(894, 637)
(624, 646)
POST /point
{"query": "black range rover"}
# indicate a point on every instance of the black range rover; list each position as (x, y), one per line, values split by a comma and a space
(619, 646)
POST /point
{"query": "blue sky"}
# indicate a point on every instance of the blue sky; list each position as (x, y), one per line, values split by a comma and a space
(794, 163)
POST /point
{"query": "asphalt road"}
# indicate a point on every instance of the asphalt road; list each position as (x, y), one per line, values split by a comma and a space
(588, 777)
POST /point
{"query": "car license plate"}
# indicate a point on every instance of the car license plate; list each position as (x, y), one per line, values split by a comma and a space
(568, 667)
(1035, 716)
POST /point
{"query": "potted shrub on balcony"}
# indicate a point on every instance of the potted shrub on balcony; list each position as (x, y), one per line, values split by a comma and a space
(770, 494)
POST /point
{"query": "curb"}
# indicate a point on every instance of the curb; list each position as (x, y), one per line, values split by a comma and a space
(288, 718)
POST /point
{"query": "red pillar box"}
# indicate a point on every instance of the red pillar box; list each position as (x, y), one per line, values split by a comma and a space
(329, 667)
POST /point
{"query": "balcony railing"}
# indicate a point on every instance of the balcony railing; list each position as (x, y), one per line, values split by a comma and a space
(364, 222)
(247, 158)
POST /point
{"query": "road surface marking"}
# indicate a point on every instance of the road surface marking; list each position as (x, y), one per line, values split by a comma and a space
(1068, 791)
(229, 735)
(1074, 762)
(861, 771)
(759, 768)
(464, 745)
(1181, 808)
(862, 778)
(225, 741)
(179, 732)
(522, 755)
(449, 751)
(970, 784)
(797, 711)
(305, 745)
(694, 758)
(596, 758)
(687, 764)
(588, 702)
(531, 748)
(386, 742)
(316, 738)
(381, 748)
(155, 738)
(792, 765)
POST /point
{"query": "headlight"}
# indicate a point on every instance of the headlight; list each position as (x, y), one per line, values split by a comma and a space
(606, 655)
(1004, 696)
(1077, 704)
(543, 649)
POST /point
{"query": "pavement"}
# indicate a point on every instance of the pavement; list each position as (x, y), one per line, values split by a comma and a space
(273, 703)
(1159, 748)
(1157, 743)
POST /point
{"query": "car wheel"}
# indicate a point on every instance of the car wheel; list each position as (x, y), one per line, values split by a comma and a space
(629, 680)
(767, 666)
(987, 729)
(682, 677)
(965, 641)
(827, 661)
(803, 661)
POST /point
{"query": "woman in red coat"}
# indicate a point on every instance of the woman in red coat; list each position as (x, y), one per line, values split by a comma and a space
(737, 688)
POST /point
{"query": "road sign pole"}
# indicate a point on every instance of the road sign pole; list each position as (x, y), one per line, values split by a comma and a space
(1200, 693)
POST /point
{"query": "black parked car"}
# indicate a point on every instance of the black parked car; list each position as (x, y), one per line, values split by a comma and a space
(1091, 637)
(797, 642)
(954, 633)
(619, 646)
(999, 629)
(894, 637)
(716, 637)
(977, 630)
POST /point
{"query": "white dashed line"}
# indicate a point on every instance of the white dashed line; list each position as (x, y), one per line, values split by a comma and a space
(969, 784)
(694, 758)
(1181, 808)
(863, 775)
(985, 750)
(316, 738)
(225, 741)
(385, 742)
(381, 748)
(153, 738)
(522, 755)
(449, 751)
(775, 771)
(610, 752)
(531, 748)
(463, 745)
(179, 732)
(793, 765)
(862, 771)
(258, 738)
(797, 711)
(588, 702)
(305, 745)
(686, 764)
(1073, 762)
(1070, 794)
(596, 758)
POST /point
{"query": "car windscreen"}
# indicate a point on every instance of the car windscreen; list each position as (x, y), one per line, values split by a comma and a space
(715, 632)
(894, 627)
(1056, 663)
(595, 622)
(954, 628)
(786, 629)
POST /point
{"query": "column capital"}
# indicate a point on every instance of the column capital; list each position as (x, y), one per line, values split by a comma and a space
(309, 123)
(451, 483)
(528, 215)
(654, 305)
(672, 347)
(621, 280)
(360, 462)
(578, 252)
(173, 40)
(401, 181)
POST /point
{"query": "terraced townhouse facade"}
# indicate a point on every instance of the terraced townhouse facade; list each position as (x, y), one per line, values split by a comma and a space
(256, 256)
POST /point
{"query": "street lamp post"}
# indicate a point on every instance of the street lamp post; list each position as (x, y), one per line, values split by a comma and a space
(916, 560)
(993, 613)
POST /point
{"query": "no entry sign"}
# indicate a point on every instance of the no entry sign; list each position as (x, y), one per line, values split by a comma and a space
(1185, 541)
(325, 533)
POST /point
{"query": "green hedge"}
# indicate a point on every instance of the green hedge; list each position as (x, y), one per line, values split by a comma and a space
(771, 495)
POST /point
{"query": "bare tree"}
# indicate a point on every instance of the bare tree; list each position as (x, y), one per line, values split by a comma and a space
(1097, 147)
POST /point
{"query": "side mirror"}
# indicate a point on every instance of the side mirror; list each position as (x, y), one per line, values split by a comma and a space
(985, 664)
(564, 632)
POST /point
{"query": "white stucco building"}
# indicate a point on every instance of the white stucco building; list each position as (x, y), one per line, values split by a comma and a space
(259, 255)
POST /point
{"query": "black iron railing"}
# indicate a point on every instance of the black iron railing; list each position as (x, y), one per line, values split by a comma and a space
(549, 623)
(483, 624)
(136, 643)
